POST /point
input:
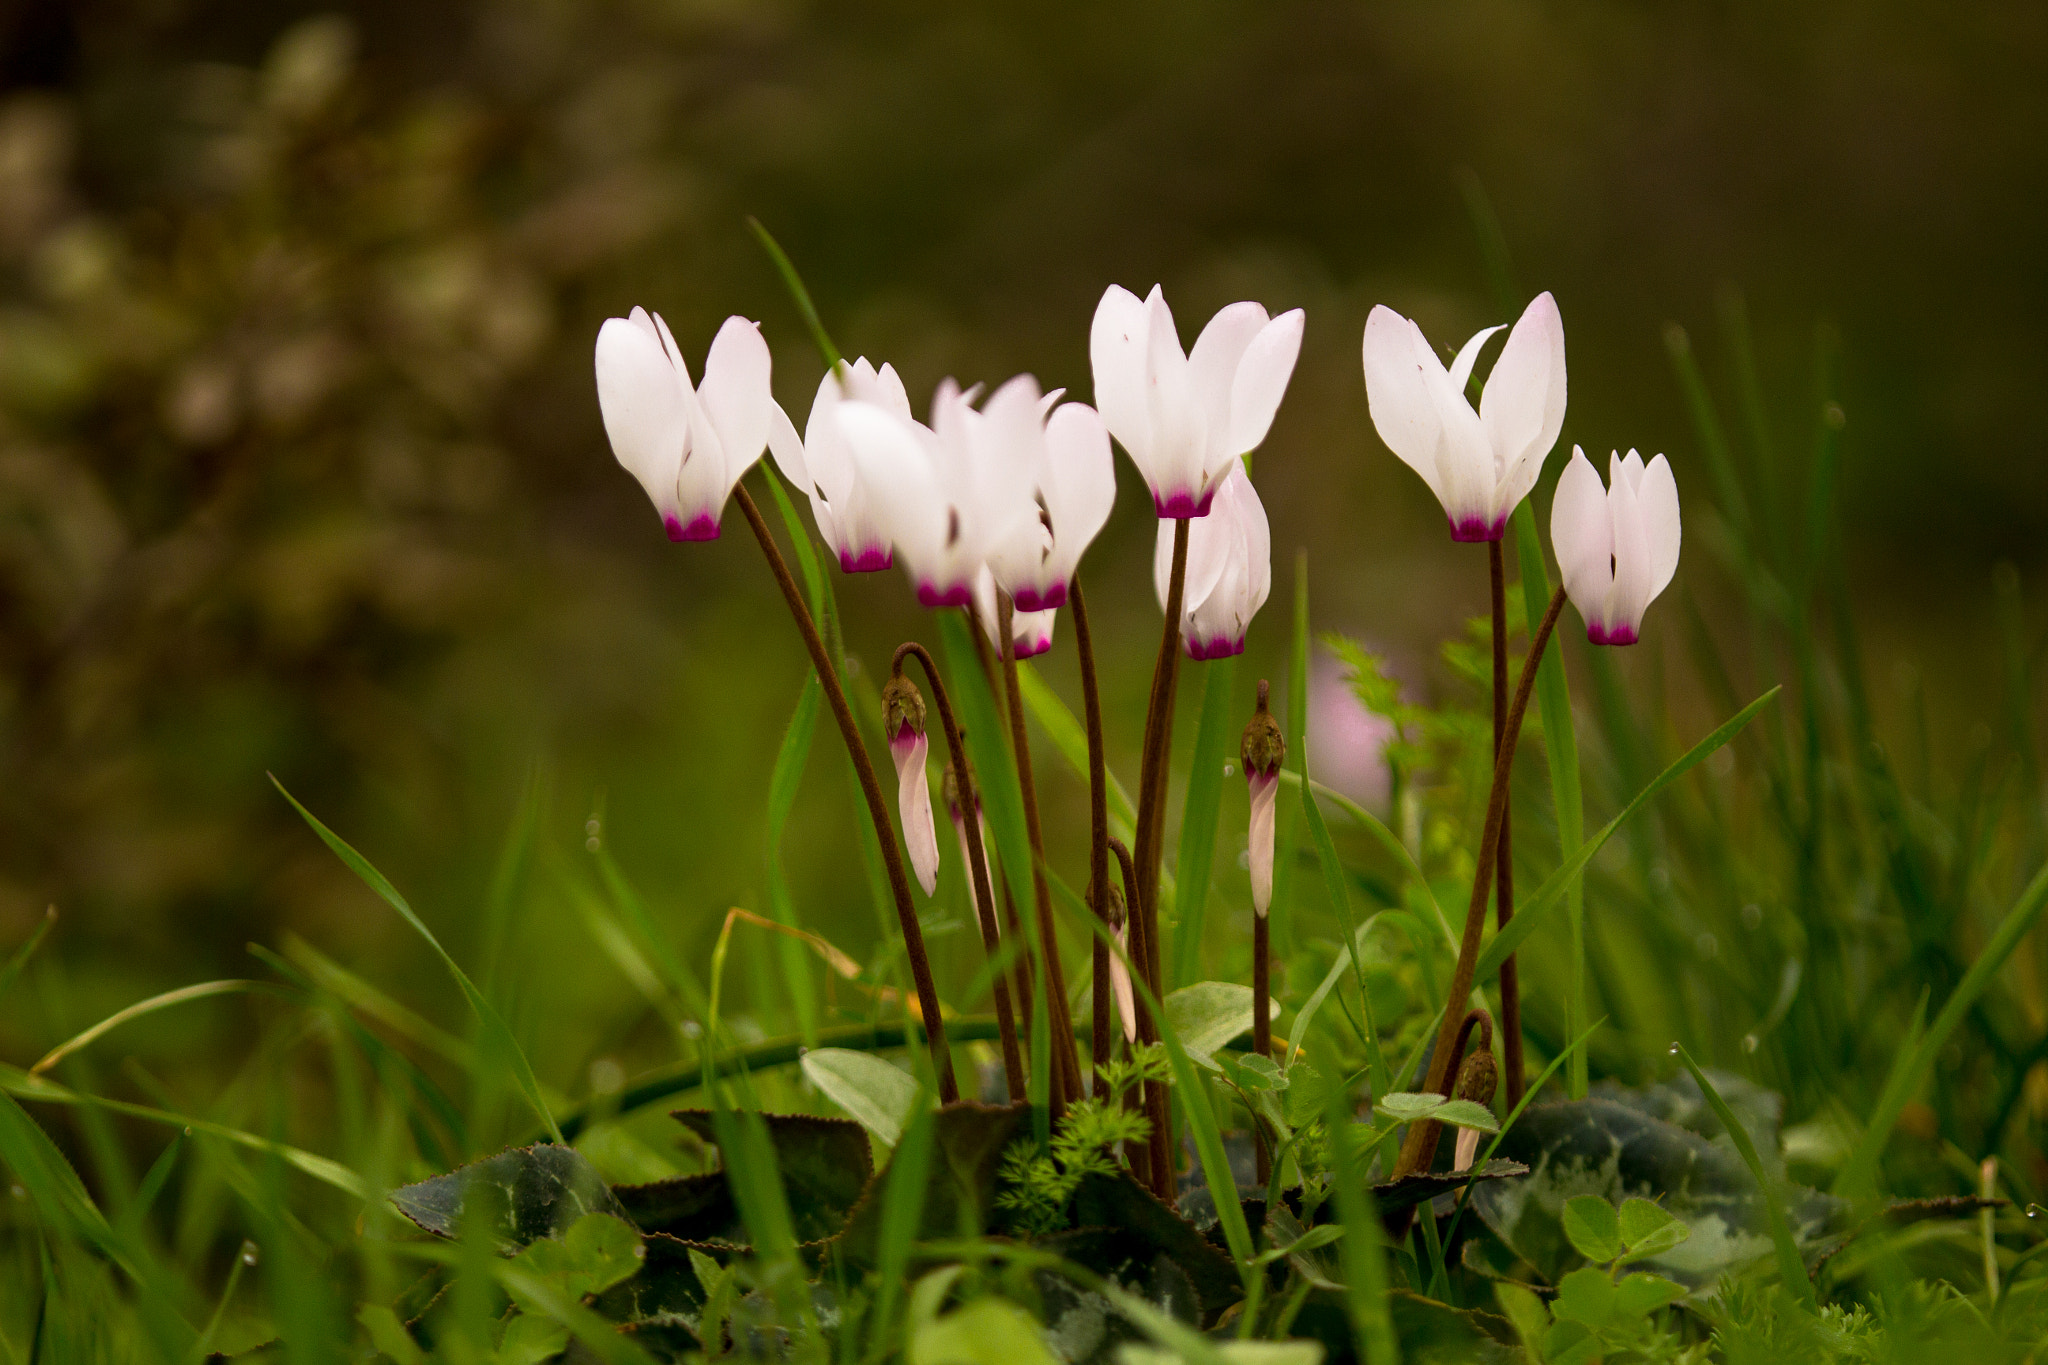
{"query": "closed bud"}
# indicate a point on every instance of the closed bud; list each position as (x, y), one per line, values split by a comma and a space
(1476, 1080)
(902, 710)
(903, 722)
(1262, 751)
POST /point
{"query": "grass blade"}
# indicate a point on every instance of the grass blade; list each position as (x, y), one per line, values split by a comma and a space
(27, 950)
(1858, 1177)
(1790, 1268)
(1067, 736)
(1199, 817)
(795, 284)
(204, 990)
(493, 1023)
(1363, 1250)
(1340, 901)
(1287, 836)
(988, 749)
(783, 781)
(1552, 891)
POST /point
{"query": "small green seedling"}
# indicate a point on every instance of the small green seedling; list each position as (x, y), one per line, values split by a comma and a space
(1595, 1313)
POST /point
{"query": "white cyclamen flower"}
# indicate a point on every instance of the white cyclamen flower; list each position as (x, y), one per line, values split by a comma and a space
(1030, 631)
(1074, 478)
(1479, 464)
(1230, 568)
(947, 495)
(1185, 419)
(820, 463)
(688, 447)
(1617, 547)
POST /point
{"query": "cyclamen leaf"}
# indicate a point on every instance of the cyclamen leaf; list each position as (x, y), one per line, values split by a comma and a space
(1208, 1014)
(878, 1095)
(1466, 1114)
(1405, 1106)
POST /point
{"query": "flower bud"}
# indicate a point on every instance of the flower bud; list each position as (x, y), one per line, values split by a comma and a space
(903, 722)
(1262, 752)
(1477, 1077)
(1119, 974)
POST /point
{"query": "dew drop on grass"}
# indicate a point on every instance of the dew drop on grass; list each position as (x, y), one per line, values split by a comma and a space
(251, 1253)
(1674, 1049)
(1749, 1042)
(21, 1192)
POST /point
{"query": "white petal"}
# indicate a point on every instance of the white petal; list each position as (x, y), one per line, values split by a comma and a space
(1468, 355)
(1631, 564)
(1582, 534)
(889, 391)
(889, 453)
(1261, 380)
(1523, 406)
(1117, 344)
(643, 416)
(1657, 503)
(736, 394)
(1467, 1150)
(1080, 481)
(788, 449)
(1120, 987)
(1212, 364)
(1176, 418)
(1397, 391)
(914, 803)
(1265, 791)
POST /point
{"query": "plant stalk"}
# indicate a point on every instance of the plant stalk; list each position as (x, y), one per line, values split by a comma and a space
(1262, 1022)
(1419, 1146)
(977, 858)
(1504, 879)
(1098, 827)
(864, 768)
(1152, 1164)
(1066, 1068)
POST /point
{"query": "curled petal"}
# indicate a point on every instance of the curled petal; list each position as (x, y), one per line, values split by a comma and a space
(1261, 381)
(1265, 791)
(1468, 1150)
(736, 396)
(1582, 534)
(1120, 986)
(1117, 346)
(1523, 406)
(914, 802)
(1213, 363)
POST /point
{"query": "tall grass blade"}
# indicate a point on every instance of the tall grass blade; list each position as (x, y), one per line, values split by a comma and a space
(783, 781)
(1287, 836)
(903, 1194)
(1338, 886)
(1363, 1250)
(26, 951)
(204, 990)
(1552, 891)
(795, 284)
(1199, 816)
(1059, 724)
(493, 1023)
(1790, 1268)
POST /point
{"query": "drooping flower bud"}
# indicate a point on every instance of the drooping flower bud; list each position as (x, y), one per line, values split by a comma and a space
(903, 722)
(1119, 974)
(1262, 752)
(1476, 1080)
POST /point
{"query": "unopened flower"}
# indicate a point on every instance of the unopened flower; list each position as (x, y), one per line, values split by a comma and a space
(687, 446)
(847, 507)
(948, 494)
(1186, 418)
(1477, 1077)
(1119, 974)
(1030, 631)
(1229, 572)
(1479, 464)
(903, 722)
(1261, 753)
(1617, 547)
(1074, 479)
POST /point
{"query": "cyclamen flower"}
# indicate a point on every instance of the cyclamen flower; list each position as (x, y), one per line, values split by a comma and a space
(846, 507)
(956, 489)
(1230, 569)
(1074, 477)
(688, 447)
(903, 720)
(1479, 464)
(1617, 547)
(1186, 418)
(1030, 631)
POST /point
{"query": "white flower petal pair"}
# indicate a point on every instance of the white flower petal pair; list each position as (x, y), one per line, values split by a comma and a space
(1230, 568)
(1265, 797)
(1030, 631)
(687, 446)
(1185, 418)
(1617, 547)
(848, 509)
(1075, 481)
(1479, 464)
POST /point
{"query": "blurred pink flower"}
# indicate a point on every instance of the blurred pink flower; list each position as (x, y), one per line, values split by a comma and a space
(1346, 743)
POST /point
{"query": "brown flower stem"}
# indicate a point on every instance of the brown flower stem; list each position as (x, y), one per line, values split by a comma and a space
(1098, 826)
(864, 769)
(1066, 1068)
(1151, 822)
(1420, 1145)
(1504, 877)
(1013, 928)
(977, 858)
(1150, 1164)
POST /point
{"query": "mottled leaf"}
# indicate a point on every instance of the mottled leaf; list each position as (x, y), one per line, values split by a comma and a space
(876, 1093)
(539, 1191)
(967, 1150)
(1119, 1201)
(824, 1162)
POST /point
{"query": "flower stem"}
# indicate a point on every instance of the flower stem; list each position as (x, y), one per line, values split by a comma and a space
(1098, 828)
(1066, 1068)
(1262, 1021)
(1152, 1165)
(864, 769)
(1504, 877)
(1420, 1145)
(1151, 821)
(977, 859)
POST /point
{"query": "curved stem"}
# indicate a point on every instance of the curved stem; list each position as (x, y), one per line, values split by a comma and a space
(1420, 1144)
(1504, 866)
(864, 769)
(977, 857)
(1151, 820)
(1098, 825)
(1066, 1069)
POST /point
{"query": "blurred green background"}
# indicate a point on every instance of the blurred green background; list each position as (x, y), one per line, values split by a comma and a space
(301, 469)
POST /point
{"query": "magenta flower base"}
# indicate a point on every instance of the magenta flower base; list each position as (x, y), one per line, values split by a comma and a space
(1623, 634)
(705, 527)
(1222, 647)
(951, 595)
(1467, 530)
(872, 559)
(1181, 506)
(1030, 599)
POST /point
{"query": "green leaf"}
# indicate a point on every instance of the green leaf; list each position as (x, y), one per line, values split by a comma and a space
(878, 1094)
(1152, 1230)
(821, 1164)
(1059, 725)
(1394, 1195)
(1648, 1230)
(540, 1192)
(390, 1338)
(904, 1190)
(1260, 1073)
(988, 1331)
(1639, 1295)
(1467, 1114)
(1569, 1343)
(1586, 1297)
(1337, 883)
(1594, 1230)
(494, 1026)
(1208, 1015)
(1406, 1106)
(528, 1340)
(596, 1252)
(964, 1156)
(1529, 916)
(1307, 1092)
(1199, 814)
